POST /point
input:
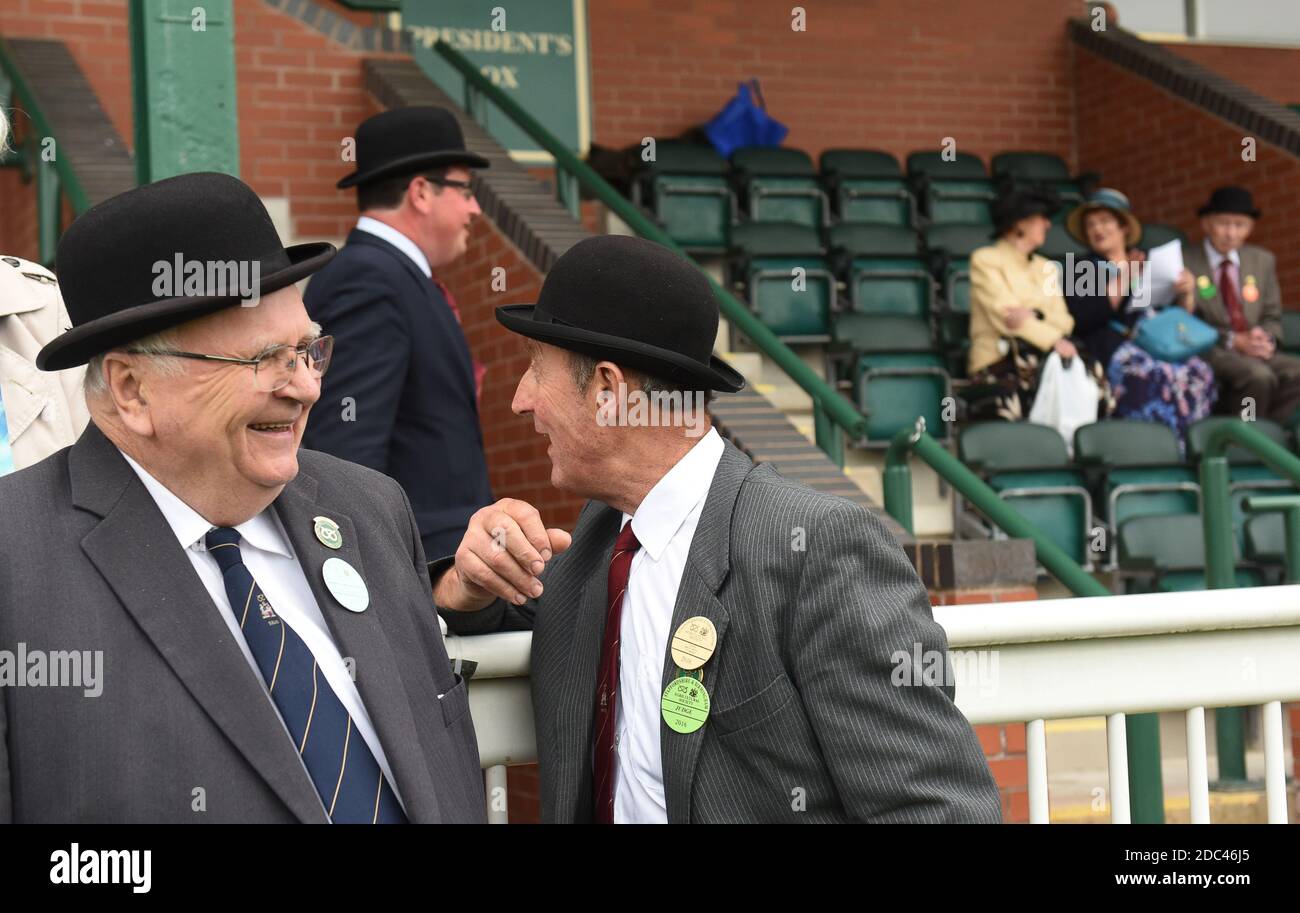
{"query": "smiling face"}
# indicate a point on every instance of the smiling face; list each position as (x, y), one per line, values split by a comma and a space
(1104, 232)
(580, 446)
(204, 428)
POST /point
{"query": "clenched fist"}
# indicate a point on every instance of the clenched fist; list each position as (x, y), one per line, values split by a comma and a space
(504, 550)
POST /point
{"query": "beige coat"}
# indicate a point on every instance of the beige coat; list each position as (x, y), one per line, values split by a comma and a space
(1002, 278)
(45, 412)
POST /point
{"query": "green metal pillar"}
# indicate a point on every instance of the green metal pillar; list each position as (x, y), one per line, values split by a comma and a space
(183, 75)
(49, 209)
(828, 435)
(1220, 573)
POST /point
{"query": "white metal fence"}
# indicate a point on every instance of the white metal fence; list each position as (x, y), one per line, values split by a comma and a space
(1032, 662)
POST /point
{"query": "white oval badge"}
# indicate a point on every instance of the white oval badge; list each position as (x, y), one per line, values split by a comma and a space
(346, 585)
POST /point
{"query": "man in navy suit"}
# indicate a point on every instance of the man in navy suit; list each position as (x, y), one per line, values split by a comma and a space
(405, 399)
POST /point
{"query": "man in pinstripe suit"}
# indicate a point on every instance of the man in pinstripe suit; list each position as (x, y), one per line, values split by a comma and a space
(809, 597)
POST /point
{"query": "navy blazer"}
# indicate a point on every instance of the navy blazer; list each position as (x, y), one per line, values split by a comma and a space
(399, 395)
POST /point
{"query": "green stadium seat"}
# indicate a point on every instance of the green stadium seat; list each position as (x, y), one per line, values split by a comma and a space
(894, 389)
(1247, 473)
(948, 249)
(1029, 468)
(780, 185)
(1060, 244)
(883, 269)
(766, 259)
(956, 190)
(1136, 470)
(866, 186)
(687, 189)
(1169, 551)
(1266, 539)
(1154, 234)
(1045, 170)
(1291, 332)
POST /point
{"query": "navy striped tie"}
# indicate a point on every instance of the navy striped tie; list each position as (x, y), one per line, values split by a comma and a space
(343, 769)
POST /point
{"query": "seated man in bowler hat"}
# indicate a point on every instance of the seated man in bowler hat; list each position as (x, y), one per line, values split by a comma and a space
(716, 643)
(405, 400)
(260, 615)
(1238, 294)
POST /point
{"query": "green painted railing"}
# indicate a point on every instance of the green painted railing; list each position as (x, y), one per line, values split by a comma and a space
(833, 415)
(1146, 788)
(55, 176)
(1221, 556)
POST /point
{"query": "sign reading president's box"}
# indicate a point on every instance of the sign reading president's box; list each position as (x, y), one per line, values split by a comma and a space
(535, 52)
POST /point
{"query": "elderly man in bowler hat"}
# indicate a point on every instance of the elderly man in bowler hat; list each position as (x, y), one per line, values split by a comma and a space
(219, 574)
(405, 400)
(715, 643)
(1238, 294)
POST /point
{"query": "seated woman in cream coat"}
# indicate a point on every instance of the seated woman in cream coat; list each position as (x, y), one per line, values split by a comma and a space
(1018, 315)
(40, 412)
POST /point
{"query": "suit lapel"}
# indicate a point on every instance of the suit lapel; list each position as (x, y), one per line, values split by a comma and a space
(707, 566)
(573, 729)
(138, 555)
(360, 636)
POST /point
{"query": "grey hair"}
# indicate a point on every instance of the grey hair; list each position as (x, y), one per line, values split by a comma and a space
(583, 369)
(4, 131)
(153, 346)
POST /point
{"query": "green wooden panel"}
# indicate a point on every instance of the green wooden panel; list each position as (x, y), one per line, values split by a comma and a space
(536, 52)
(183, 71)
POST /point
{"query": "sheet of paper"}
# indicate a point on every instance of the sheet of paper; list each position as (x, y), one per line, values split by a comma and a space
(1158, 274)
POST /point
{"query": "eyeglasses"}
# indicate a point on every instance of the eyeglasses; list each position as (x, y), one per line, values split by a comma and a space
(274, 368)
(465, 187)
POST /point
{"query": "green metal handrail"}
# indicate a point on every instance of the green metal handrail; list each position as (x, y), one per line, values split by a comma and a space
(1146, 790)
(1221, 558)
(833, 415)
(54, 179)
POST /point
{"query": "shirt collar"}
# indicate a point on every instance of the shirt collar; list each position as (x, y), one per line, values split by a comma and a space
(398, 240)
(261, 532)
(1216, 258)
(662, 511)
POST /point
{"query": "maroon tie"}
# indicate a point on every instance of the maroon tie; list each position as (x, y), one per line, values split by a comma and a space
(602, 756)
(1229, 291)
(479, 369)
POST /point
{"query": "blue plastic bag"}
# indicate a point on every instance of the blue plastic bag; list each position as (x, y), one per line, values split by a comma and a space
(743, 123)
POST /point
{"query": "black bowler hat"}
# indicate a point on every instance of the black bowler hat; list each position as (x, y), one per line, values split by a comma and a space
(407, 140)
(1230, 199)
(1011, 207)
(633, 302)
(108, 260)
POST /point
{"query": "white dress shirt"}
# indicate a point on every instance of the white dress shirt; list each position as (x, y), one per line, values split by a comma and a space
(1215, 259)
(664, 524)
(398, 240)
(266, 553)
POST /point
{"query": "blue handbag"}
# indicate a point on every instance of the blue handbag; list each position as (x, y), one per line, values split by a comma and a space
(1174, 335)
(743, 123)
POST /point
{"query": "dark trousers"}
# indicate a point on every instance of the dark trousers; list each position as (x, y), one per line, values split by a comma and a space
(1273, 384)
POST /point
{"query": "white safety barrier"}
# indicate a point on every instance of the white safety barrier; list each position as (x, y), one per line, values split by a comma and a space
(1049, 659)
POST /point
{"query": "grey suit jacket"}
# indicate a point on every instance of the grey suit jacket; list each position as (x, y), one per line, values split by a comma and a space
(805, 723)
(1265, 311)
(88, 562)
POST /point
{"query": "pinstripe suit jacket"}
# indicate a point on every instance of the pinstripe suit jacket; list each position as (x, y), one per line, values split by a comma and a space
(805, 723)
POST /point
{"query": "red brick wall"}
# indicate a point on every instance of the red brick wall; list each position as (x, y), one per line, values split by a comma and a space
(893, 74)
(1272, 72)
(299, 95)
(1167, 155)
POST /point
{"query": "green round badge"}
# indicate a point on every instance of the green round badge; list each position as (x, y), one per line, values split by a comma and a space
(685, 704)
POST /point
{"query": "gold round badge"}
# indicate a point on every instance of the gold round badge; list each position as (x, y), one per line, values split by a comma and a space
(694, 642)
(327, 531)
